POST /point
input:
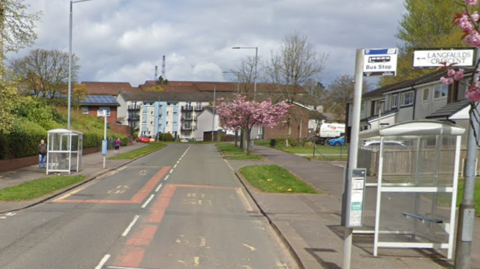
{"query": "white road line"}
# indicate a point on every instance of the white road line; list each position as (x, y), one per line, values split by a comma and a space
(166, 177)
(103, 261)
(175, 166)
(158, 188)
(131, 225)
(244, 200)
(148, 201)
(171, 170)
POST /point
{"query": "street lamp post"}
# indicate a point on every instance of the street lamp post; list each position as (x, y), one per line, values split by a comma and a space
(70, 61)
(256, 62)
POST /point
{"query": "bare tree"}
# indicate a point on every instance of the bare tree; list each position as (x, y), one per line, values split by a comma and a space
(340, 92)
(45, 72)
(246, 76)
(293, 65)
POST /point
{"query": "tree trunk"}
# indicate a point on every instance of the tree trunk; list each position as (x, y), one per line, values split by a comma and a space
(242, 145)
(236, 138)
(248, 141)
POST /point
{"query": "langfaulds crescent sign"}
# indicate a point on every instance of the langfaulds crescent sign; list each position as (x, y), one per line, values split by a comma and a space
(436, 58)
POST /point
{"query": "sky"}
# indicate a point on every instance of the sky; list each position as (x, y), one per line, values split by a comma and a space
(123, 40)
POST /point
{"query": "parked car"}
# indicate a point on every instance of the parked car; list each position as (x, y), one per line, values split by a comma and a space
(143, 139)
(337, 141)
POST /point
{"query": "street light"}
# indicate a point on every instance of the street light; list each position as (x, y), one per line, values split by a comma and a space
(256, 61)
(238, 78)
(70, 61)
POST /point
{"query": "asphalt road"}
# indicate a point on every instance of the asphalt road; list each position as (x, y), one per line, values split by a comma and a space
(181, 207)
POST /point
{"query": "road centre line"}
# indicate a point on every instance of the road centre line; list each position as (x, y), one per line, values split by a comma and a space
(148, 201)
(131, 225)
(158, 188)
(166, 177)
(175, 166)
(103, 261)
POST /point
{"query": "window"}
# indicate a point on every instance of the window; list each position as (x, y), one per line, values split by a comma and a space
(151, 112)
(151, 123)
(407, 98)
(426, 95)
(440, 91)
(166, 123)
(394, 100)
(85, 109)
(101, 109)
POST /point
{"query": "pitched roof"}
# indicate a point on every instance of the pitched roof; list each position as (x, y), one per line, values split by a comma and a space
(208, 86)
(172, 96)
(449, 109)
(100, 100)
(107, 88)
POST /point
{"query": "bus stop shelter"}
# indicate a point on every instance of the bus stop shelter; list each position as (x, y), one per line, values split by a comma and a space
(416, 183)
(64, 151)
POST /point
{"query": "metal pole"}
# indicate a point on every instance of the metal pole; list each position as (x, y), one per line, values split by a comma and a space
(213, 112)
(70, 66)
(466, 212)
(353, 152)
(105, 137)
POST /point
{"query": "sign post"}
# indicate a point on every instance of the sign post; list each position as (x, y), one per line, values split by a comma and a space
(369, 62)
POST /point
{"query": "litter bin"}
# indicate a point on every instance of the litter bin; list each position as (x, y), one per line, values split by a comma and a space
(273, 142)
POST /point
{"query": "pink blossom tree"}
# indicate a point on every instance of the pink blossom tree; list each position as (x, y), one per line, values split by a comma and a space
(468, 22)
(240, 114)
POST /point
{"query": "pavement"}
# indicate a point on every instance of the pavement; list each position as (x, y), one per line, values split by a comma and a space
(309, 224)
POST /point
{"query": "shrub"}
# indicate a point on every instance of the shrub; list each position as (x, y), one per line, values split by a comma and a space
(165, 137)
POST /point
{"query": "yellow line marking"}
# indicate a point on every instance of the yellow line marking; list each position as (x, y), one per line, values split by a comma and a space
(196, 260)
(243, 199)
(71, 193)
(182, 262)
(250, 247)
(203, 241)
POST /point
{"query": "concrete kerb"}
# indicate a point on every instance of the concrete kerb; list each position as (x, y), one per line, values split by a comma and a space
(51, 196)
(285, 241)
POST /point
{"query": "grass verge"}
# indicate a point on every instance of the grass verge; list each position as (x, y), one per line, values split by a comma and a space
(138, 152)
(273, 178)
(234, 153)
(38, 188)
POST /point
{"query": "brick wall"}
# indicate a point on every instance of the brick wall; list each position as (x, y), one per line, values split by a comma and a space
(14, 164)
(299, 126)
(121, 129)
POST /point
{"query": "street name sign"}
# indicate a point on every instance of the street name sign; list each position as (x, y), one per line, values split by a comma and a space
(436, 58)
(380, 62)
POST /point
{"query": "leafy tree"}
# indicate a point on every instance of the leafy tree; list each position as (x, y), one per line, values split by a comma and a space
(44, 73)
(16, 27)
(79, 94)
(8, 100)
(240, 114)
(427, 24)
(293, 65)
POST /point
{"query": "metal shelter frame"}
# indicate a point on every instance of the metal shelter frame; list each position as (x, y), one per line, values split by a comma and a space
(65, 149)
(424, 190)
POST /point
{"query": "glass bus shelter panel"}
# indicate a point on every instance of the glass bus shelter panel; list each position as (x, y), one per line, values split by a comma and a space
(414, 217)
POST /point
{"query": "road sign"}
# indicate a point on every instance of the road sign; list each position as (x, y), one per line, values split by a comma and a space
(380, 62)
(435, 58)
(355, 198)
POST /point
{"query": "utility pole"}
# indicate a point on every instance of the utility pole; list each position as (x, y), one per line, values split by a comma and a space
(466, 211)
